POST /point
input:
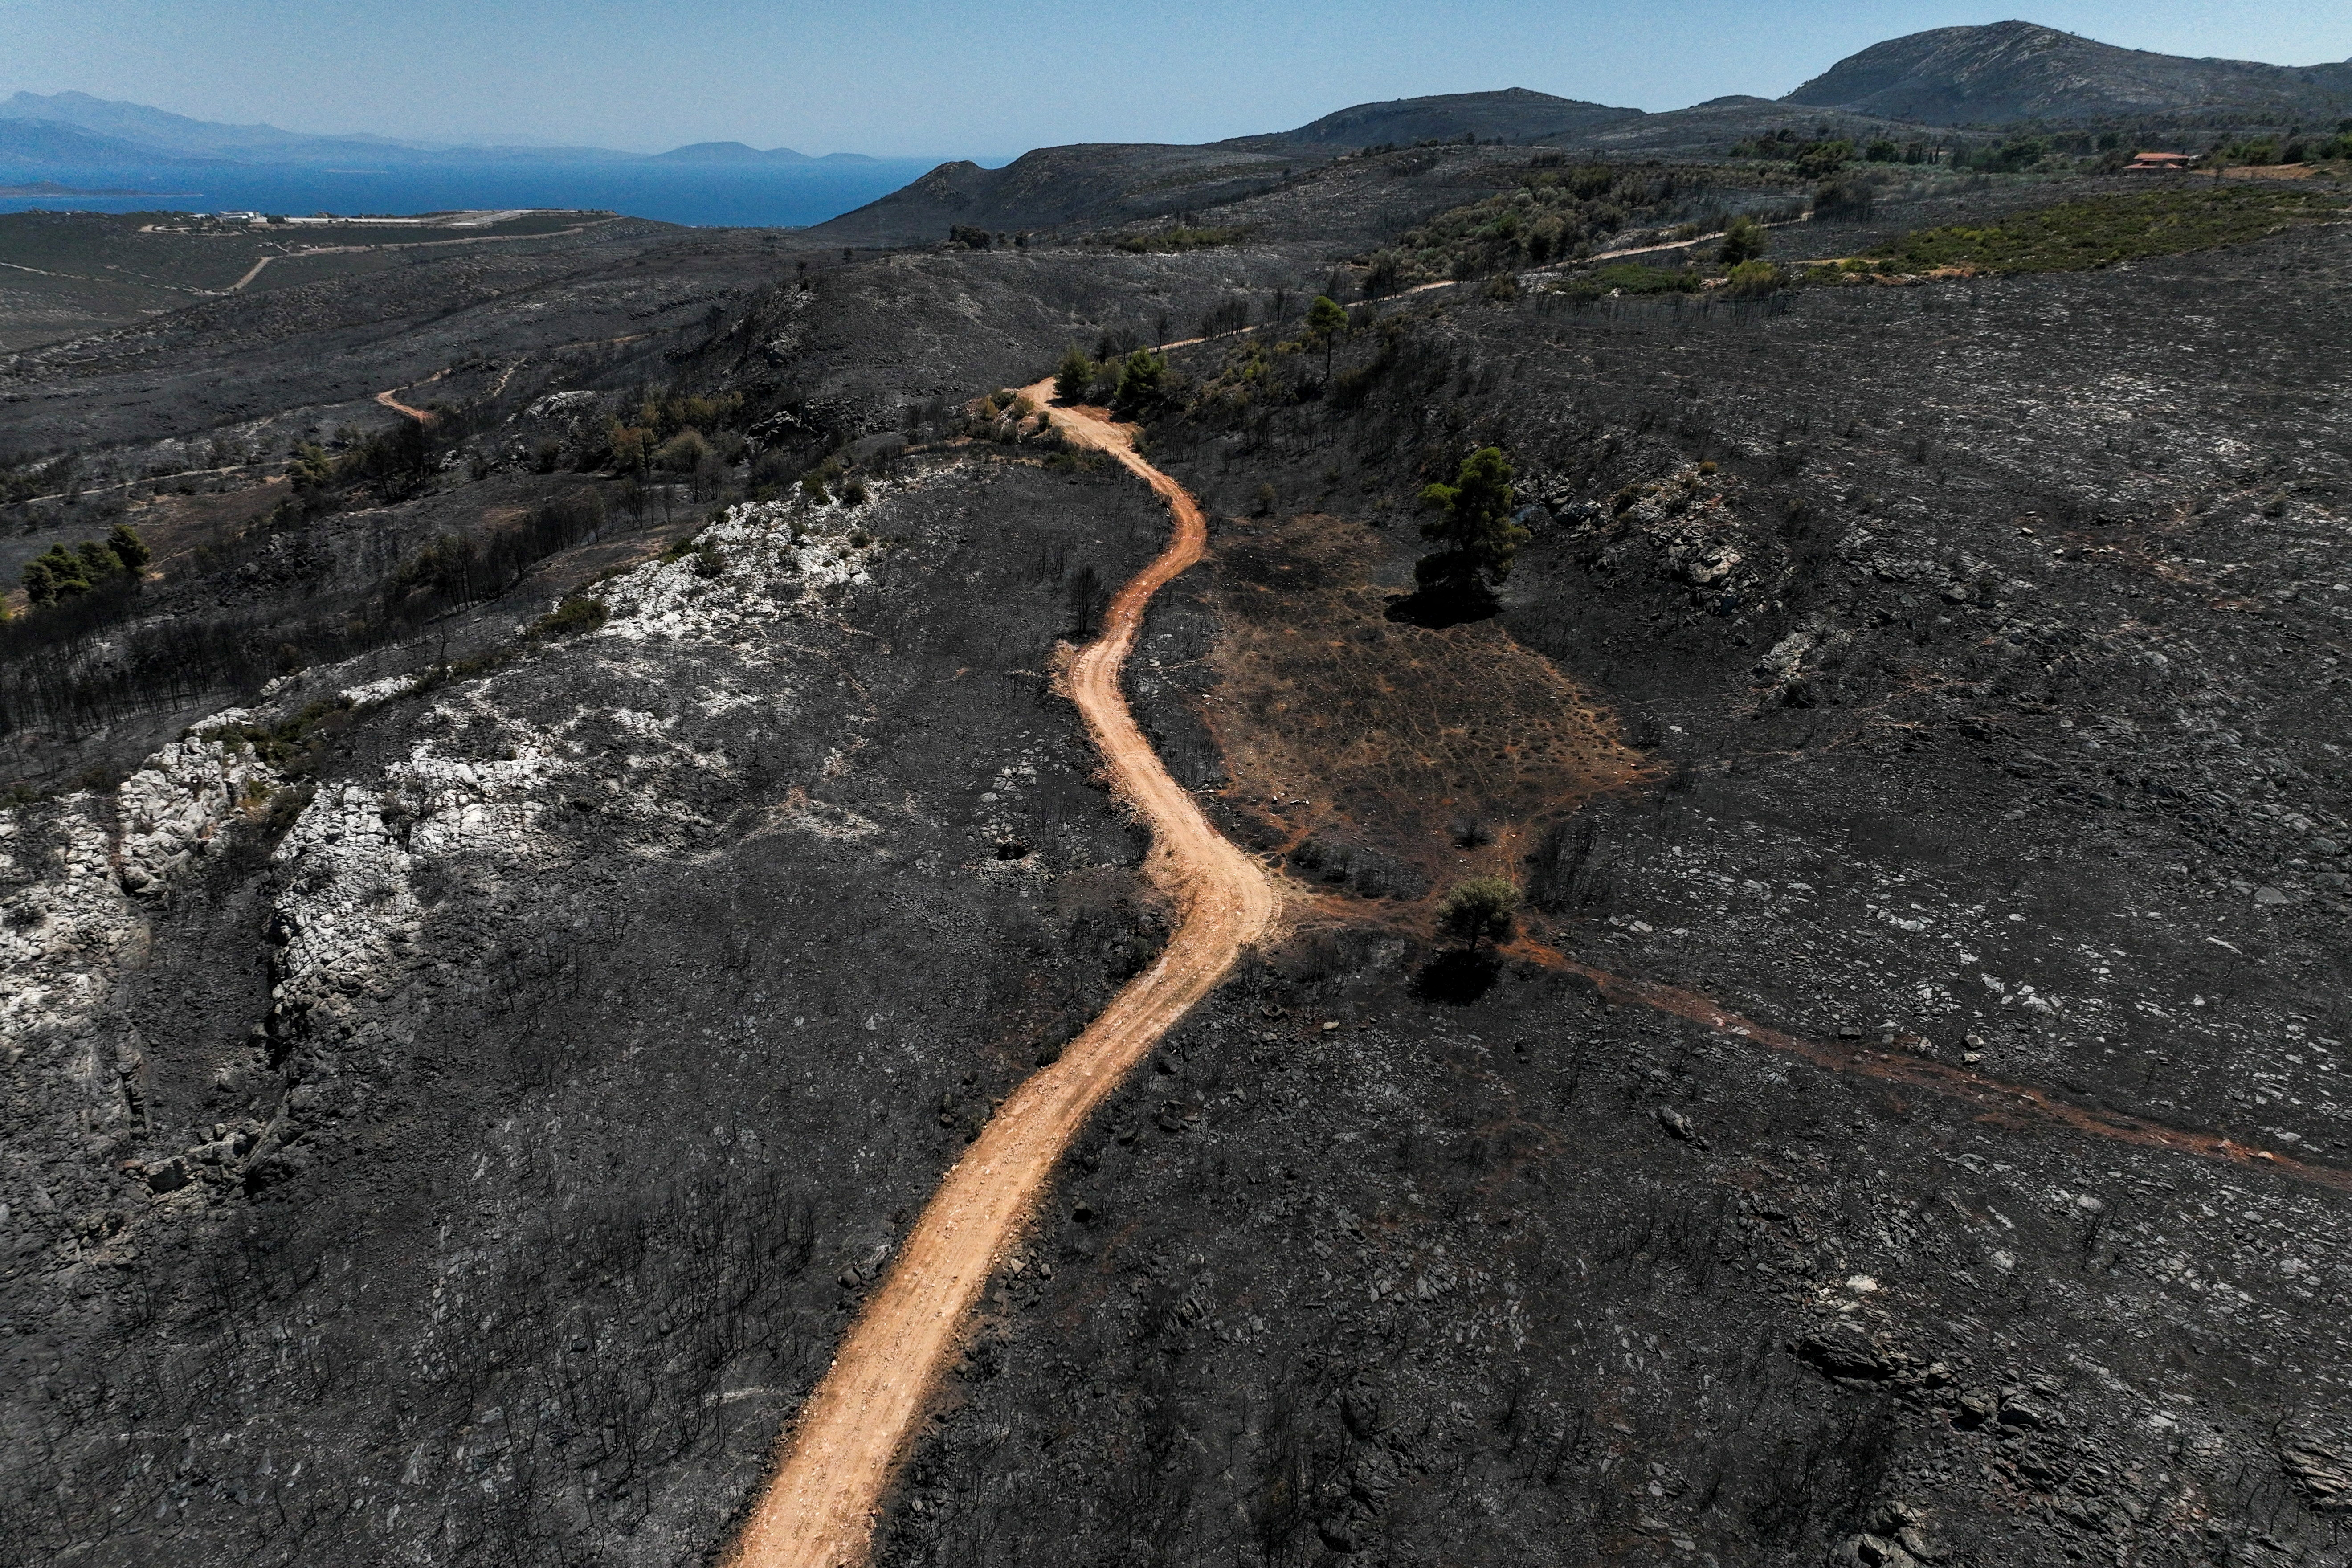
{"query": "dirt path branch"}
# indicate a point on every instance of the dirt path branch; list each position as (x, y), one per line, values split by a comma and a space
(1997, 1103)
(842, 1452)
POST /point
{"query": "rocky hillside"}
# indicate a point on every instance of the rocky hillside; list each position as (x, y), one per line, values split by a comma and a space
(2015, 70)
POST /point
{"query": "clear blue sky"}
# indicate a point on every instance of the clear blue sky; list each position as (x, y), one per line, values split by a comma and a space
(937, 77)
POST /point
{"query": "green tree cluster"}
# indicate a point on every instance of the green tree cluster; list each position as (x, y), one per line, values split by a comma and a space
(1556, 214)
(1143, 384)
(21, 482)
(2015, 154)
(651, 436)
(2099, 231)
(1814, 155)
(60, 573)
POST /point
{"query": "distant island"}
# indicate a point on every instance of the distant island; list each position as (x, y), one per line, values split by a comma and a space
(74, 133)
(739, 152)
(52, 188)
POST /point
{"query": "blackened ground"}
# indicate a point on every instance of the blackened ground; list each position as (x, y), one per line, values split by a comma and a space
(540, 1241)
(1990, 690)
(1995, 668)
(1537, 1280)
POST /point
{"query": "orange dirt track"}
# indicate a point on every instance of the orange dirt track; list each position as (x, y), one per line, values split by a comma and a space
(839, 1456)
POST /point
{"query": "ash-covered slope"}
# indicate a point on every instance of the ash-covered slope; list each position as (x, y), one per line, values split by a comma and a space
(1102, 183)
(505, 1114)
(1516, 115)
(1093, 182)
(1976, 775)
(2017, 70)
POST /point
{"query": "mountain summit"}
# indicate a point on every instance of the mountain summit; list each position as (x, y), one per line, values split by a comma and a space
(1513, 114)
(2019, 70)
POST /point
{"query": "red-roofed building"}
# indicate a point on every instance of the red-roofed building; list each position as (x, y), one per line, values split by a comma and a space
(2158, 163)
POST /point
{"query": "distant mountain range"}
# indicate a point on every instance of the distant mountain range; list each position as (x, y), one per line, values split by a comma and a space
(1951, 81)
(738, 152)
(76, 130)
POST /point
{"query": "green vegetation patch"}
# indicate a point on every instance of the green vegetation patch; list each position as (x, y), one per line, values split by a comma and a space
(571, 616)
(1558, 214)
(1627, 278)
(290, 745)
(1179, 239)
(2078, 236)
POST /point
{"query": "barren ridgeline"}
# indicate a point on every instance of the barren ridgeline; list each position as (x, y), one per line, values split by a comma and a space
(840, 1453)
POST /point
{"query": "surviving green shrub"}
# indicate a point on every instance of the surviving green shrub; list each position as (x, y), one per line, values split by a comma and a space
(572, 616)
(682, 451)
(1825, 158)
(1143, 384)
(1744, 240)
(1481, 910)
(813, 482)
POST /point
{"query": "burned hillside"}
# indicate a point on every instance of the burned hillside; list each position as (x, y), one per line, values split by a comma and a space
(486, 1015)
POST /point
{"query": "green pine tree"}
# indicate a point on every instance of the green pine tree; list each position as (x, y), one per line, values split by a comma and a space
(1473, 528)
(129, 548)
(1325, 321)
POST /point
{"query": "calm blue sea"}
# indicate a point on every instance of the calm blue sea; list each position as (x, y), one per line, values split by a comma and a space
(755, 195)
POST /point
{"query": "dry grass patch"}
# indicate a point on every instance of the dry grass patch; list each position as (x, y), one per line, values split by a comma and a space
(1442, 749)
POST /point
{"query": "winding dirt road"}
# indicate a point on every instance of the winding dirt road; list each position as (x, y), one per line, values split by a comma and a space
(839, 1456)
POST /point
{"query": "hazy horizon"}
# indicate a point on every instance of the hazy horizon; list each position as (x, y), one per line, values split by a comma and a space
(932, 79)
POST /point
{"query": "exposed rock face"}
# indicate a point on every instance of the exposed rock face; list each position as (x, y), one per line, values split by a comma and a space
(1684, 529)
(172, 809)
(80, 876)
